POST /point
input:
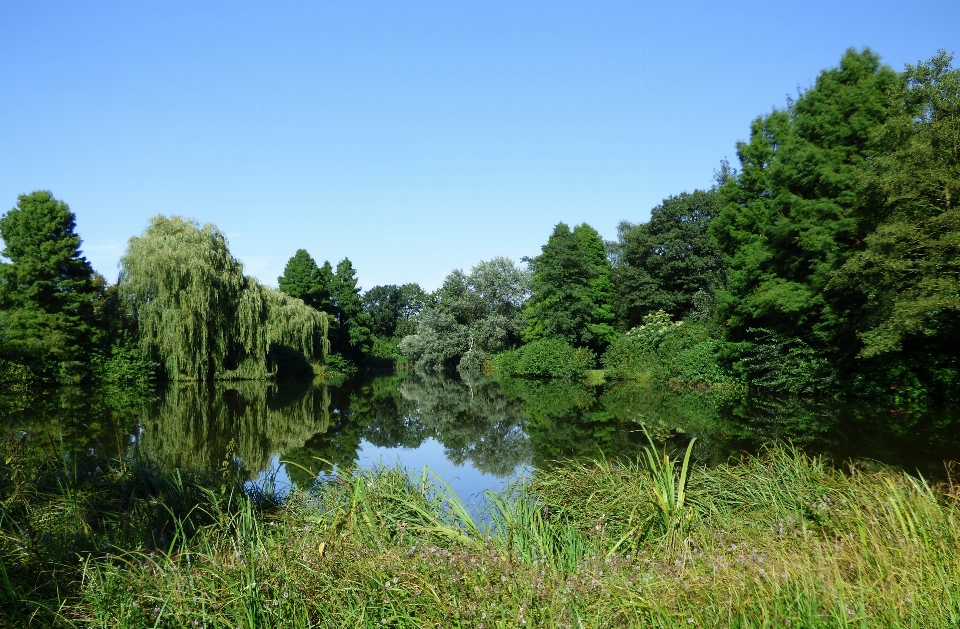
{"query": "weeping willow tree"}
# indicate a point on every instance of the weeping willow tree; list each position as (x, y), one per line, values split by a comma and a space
(198, 312)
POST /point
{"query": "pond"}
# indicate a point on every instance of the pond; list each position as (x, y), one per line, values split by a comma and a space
(476, 435)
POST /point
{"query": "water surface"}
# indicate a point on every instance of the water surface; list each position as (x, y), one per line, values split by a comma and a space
(475, 434)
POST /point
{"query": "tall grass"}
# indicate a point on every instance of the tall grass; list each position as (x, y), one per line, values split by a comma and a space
(782, 539)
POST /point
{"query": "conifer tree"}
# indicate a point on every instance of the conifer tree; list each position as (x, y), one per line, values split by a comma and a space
(302, 279)
(790, 217)
(572, 291)
(47, 289)
(352, 336)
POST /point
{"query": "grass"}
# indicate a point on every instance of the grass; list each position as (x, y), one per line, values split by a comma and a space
(777, 540)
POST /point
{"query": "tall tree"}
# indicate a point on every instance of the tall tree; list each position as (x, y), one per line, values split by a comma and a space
(572, 290)
(382, 305)
(201, 315)
(352, 336)
(46, 290)
(908, 274)
(303, 279)
(664, 263)
(393, 309)
(789, 218)
(472, 315)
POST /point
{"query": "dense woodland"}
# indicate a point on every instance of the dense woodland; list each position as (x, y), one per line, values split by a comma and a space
(825, 261)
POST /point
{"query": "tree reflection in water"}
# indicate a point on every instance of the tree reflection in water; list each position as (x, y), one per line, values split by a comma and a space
(493, 427)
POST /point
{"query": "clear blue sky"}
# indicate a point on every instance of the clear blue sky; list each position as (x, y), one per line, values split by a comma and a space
(412, 137)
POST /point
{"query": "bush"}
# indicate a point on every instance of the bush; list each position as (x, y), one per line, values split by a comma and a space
(127, 362)
(662, 349)
(544, 358)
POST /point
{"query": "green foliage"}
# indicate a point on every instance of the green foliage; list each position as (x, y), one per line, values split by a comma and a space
(906, 277)
(686, 352)
(200, 314)
(303, 279)
(393, 309)
(663, 264)
(789, 217)
(127, 362)
(46, 290)
(774, 364)
(572, 290)
(544, 358)
(472, 316)
(351, 336)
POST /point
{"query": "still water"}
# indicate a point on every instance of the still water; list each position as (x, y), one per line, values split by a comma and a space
(476, 435)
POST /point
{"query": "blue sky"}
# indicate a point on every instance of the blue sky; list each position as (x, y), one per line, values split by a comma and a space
(411, 137)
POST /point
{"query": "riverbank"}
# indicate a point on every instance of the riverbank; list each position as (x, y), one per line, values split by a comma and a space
(777, 540)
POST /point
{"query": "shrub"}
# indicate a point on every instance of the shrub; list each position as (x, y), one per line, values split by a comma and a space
(544, 358)
(663, 349)
(127, 362)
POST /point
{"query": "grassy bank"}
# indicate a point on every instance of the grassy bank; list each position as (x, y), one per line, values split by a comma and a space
(778, 540)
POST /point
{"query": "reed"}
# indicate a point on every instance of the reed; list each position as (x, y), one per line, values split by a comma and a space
(781, 539)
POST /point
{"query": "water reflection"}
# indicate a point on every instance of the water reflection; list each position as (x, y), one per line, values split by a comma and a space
(199, 425)
(492, 428)
(472, 419)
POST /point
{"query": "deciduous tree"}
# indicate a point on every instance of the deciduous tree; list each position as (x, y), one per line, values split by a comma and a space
(200, 314)
(472, 315)
(664, 263)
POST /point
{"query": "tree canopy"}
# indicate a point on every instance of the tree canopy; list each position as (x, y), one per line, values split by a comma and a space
(790, 216)
(472, 315)
(907, 274)
(392, 308)
(351, 335)
(664, 263)
(200, 314)
(303, 279)
(572, 290)
(47, 290)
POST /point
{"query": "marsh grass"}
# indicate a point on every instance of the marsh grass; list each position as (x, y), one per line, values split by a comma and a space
(777, 540)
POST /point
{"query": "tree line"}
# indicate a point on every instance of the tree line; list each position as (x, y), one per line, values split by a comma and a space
(825, 260)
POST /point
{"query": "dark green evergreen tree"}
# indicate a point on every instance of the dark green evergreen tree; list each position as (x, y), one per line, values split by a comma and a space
(303, 279)
(46, 290)
(790, 217)
(352, 337)
(572, 290)
(664, 263)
